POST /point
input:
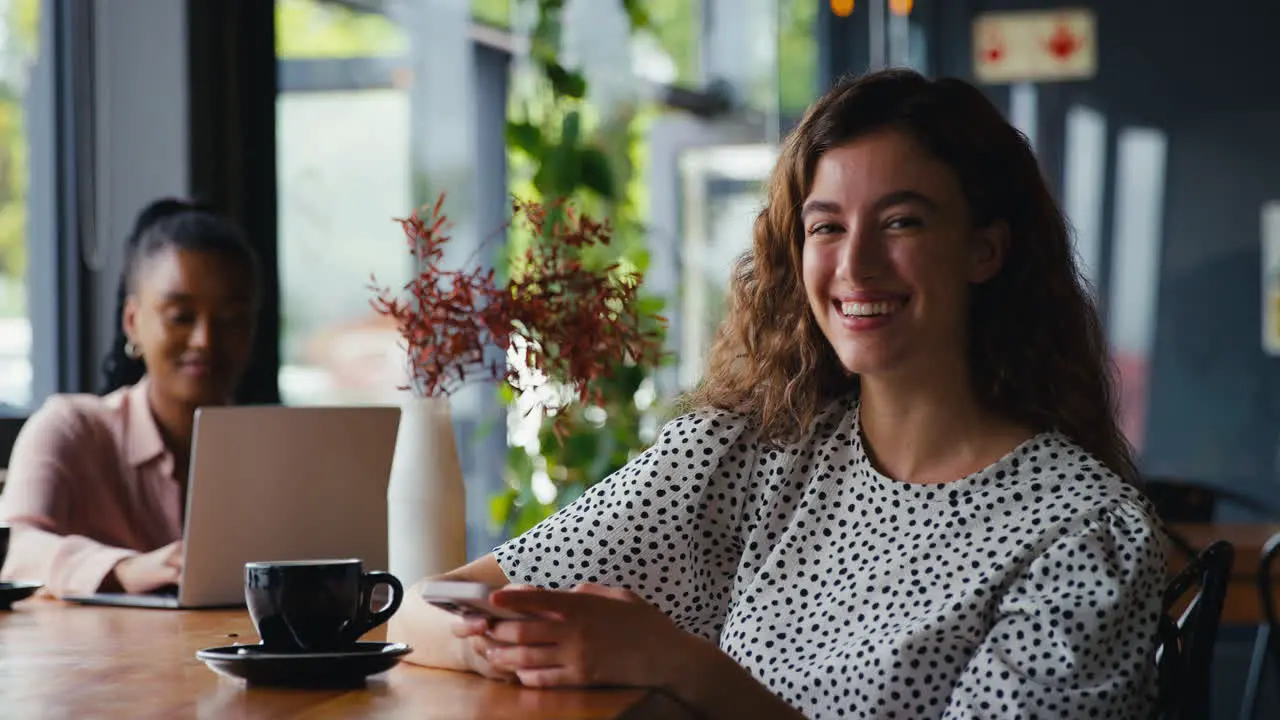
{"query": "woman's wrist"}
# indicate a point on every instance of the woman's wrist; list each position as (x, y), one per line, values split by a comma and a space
(687, 677)
(427, 629)
(708, 680)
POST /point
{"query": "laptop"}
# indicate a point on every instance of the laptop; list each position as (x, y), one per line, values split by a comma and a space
(277, 483)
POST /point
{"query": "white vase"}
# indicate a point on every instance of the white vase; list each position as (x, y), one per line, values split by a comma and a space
(426, 498)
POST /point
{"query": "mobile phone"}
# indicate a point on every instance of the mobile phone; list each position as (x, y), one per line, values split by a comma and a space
(468, 599)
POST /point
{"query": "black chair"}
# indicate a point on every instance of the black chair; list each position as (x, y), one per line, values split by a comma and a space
(1267, 644)
(1185, 653)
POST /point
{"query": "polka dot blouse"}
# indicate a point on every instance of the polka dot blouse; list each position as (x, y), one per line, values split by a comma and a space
(1029, 589)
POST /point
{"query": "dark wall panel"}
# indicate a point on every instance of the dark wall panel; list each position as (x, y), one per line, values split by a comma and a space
(1208, 77)
(233, 153)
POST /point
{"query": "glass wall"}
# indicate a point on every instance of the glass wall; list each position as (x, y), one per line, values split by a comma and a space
(19, 48)
(343, 168)
(676, 108)
(690, 176)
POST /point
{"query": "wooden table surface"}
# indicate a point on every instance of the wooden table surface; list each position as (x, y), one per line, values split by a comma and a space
(69, 661)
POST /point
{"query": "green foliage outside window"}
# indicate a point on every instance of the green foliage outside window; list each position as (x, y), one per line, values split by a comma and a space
(18, 52)
(317, 29)
(496, 13)
(561, 147)
(797, 55)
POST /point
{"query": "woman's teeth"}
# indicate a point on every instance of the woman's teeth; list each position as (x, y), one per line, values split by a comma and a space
(869, 309)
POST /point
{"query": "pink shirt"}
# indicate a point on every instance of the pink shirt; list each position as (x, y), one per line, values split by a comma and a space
(90, 482)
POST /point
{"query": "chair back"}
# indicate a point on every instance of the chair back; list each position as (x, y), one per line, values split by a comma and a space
(1186, 646)
(1266, 645)
(1266, 581)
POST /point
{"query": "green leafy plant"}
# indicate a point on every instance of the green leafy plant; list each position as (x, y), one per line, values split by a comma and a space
(561, 148)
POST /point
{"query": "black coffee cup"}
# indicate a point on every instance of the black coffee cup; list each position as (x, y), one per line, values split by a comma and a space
(315, 605)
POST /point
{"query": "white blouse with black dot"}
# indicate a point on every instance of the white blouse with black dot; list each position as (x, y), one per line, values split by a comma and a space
(1029, 589)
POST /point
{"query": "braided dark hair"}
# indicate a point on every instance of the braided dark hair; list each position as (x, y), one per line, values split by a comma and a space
(168, 223)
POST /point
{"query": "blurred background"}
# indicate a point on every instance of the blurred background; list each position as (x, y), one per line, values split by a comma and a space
(315, 123)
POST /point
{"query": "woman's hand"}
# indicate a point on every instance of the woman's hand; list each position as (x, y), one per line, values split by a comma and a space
(150, 571)
(591, 635)
(594, 635)
(472, 632)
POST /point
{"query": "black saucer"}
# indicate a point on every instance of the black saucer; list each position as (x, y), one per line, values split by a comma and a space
(12, 592)
(344, 668)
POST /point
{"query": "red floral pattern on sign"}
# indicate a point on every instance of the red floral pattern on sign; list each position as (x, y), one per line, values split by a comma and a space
(1063, 43)
(993, 48)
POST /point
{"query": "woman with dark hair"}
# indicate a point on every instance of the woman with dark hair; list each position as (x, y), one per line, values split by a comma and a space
(96, 484)
(901, 491)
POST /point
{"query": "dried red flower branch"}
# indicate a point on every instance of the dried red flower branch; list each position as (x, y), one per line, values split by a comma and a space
(572, 323)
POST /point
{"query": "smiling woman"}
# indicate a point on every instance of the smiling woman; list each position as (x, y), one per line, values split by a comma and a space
(889, 256)
(96, 484)
(900, 492)
(187, 301)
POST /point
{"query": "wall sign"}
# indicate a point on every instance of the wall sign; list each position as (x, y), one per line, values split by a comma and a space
(1035, 46)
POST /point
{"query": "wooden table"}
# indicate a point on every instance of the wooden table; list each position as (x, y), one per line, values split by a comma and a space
(1243, 604)
(59, 660)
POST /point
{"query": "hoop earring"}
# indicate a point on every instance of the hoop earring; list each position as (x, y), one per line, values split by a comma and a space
(132, 351)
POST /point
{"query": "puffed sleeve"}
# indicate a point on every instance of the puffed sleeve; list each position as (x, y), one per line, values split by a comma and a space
(42, 484)
(1075, 635)
(666, 526)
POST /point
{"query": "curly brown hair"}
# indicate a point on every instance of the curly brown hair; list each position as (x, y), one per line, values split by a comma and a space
(1037, 353)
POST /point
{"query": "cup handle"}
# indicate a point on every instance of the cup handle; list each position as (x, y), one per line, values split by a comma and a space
(369, 581)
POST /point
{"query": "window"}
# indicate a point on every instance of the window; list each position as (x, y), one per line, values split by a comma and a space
(343, 163)
(19, 47)
(1135, 269)
(375, 115)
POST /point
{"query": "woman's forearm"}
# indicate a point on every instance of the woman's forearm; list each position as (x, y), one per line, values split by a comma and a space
(710, 681)
(428, 631)
(65, 564)
(699, 674)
